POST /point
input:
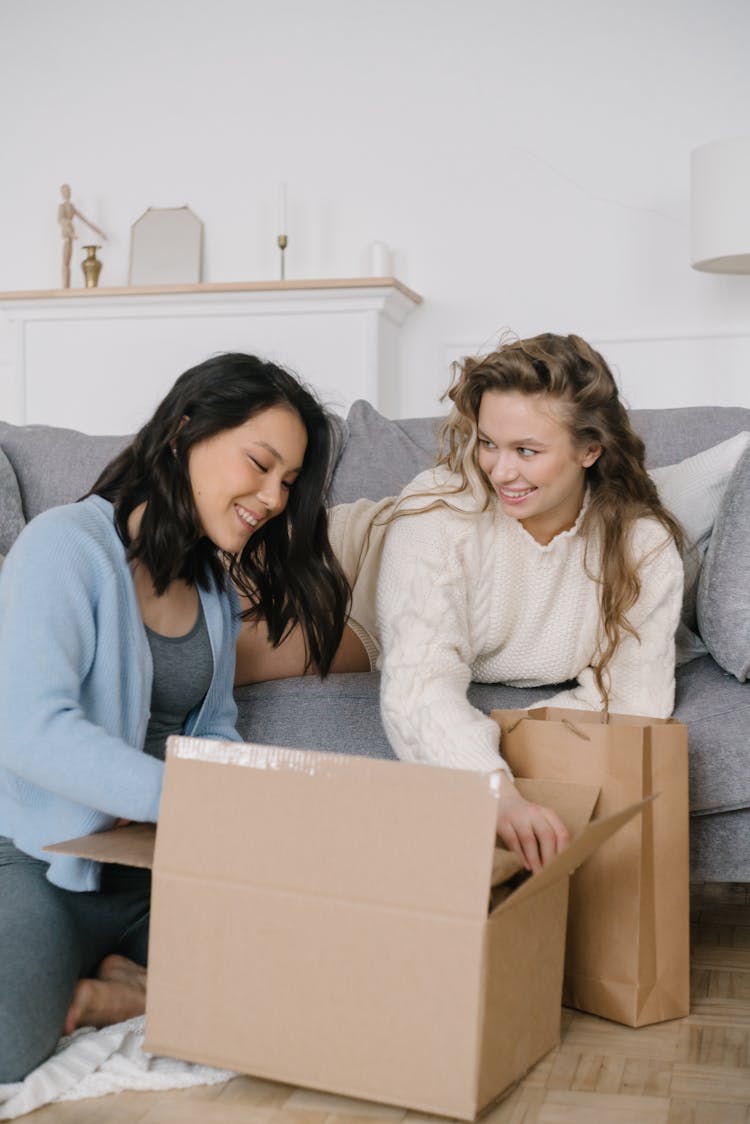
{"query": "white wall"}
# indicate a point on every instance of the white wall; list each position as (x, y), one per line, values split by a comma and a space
(527, 161)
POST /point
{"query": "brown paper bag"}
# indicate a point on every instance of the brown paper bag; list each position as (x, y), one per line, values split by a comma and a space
(627, 953)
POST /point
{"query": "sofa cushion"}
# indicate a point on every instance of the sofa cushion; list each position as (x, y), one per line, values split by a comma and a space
(673, 434)
(723, 606)
(694, 488)
(716, 708)
(341, 714)
(54, 465)
(11, 509)
(381, 455)
(693, 491)
(719, 848)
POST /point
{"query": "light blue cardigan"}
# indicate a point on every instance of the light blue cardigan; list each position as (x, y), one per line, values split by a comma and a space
(75, 687)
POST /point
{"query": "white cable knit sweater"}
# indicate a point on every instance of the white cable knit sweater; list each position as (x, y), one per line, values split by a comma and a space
(465, 595)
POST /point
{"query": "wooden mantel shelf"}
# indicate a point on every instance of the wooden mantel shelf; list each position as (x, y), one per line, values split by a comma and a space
(215, 287)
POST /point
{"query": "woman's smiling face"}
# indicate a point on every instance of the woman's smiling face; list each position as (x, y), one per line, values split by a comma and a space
(526, 453)
(241, 477)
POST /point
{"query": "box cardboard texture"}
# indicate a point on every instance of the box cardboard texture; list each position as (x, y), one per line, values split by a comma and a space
(323, 920)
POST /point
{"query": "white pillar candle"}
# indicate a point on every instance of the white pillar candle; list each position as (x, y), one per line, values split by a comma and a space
(380, 260)
(282, 208)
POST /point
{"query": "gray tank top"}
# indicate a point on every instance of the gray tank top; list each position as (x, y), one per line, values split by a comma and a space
(183, 668)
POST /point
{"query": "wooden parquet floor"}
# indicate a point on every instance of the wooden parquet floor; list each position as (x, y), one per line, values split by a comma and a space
(694, 1070)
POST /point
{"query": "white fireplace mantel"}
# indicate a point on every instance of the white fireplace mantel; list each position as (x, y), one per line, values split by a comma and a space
(99, 360)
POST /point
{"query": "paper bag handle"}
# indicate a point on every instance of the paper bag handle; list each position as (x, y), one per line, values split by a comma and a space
(570, 726)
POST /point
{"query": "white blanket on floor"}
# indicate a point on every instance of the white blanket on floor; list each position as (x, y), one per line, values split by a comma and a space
(91, 1063)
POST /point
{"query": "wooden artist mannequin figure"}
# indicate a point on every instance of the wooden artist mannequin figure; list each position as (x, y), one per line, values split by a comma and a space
(66, 212)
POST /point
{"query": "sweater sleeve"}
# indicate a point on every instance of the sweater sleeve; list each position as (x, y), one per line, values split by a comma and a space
(52, 602)
(642, 670)
(425, 578)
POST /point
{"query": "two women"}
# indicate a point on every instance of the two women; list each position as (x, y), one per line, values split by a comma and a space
(536, 552)
(118, 619)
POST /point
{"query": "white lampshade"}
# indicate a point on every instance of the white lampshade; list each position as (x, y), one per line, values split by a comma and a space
(720, 206)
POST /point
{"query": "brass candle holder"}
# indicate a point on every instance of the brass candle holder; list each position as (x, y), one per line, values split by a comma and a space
(282, 241)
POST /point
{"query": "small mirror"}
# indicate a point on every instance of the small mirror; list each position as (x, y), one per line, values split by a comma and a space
(165, 247)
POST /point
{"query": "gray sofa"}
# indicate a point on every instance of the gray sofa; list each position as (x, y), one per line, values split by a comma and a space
(42, 466)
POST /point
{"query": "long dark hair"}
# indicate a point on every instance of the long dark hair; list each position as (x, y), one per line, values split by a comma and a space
(287, 569)
(569, 371)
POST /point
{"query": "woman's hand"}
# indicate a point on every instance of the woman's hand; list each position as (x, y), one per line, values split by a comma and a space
(534, 833)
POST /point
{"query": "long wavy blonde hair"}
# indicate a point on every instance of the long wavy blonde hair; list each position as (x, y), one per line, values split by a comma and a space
(566, 370)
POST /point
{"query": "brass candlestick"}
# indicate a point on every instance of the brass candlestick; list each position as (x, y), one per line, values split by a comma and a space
(282, 241)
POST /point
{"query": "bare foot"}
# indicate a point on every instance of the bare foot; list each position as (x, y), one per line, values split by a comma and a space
(117, 993)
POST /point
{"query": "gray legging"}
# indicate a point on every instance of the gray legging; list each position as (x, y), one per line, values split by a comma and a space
(50, 938)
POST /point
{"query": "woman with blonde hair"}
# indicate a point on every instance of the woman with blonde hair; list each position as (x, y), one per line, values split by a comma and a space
(536, 552)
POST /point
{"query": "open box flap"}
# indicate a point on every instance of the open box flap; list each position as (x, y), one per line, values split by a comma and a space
(132, 845)
(298, 821)
(577, 851)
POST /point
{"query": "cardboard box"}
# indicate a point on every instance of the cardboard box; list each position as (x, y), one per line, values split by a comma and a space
(327, 921)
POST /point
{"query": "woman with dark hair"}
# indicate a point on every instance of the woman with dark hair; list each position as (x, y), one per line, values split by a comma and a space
(536, 552)
(118, 617)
